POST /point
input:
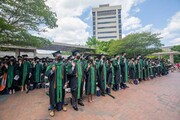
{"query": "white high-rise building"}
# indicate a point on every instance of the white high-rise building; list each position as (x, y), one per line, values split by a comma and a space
(107, 22)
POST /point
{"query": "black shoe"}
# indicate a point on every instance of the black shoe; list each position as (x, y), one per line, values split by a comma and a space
(114, 89)
(27, 91)
(80, 103)
(75, 108)
(122, 87)
(102, 94)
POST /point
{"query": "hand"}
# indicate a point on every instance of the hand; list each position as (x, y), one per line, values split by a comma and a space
(45, 77)
(30, 75)
(6, 65)
(73, 64)
(53, 68)
(89, 65)
(65, 86)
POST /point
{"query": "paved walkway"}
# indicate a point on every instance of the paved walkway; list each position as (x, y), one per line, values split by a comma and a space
(157, 99)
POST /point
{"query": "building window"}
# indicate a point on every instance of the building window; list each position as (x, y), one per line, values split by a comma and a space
(94, 23)
(94, 18)
(94, 33)
(119, 21)
(119, 11)
(119, 16)
(107, 37)
(119, 25)
(94, 27)
(94, 13)
(106, 17)
(106, 32)
(106, 22)
(107, 12)
(106, 27)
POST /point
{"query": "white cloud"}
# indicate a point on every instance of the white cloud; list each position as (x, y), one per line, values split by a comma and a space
(136, 10)
(171, 33)
(74, 30)
(175, 41)
(131, 23)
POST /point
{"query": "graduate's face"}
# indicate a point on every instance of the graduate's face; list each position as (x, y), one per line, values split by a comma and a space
(78, 56)
(117, 57)
(58, 57)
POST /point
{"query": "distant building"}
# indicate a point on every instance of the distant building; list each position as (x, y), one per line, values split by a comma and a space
(107, 22)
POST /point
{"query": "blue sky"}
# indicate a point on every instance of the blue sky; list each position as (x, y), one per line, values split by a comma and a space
(75, 21)
(158, 12)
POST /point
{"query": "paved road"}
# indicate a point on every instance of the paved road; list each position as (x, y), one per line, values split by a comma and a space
(157, 99)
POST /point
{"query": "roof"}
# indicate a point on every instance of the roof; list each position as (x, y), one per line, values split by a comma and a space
(66, 47)
(167, 53)
(18, 47)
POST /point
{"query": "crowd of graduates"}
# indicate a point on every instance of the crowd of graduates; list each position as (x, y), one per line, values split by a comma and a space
(98, 75)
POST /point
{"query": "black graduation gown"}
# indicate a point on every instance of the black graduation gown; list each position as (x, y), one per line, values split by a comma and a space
(117, 72)
(52, 89)
(88, 85)
(20, 72)
(102, 78)
(109, 75)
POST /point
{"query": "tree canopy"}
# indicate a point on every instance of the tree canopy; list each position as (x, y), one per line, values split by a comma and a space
(133, 44)
(176, 57)
(20, 18)
(100, 46)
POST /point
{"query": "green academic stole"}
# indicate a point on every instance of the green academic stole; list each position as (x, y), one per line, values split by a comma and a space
(112, 75)
(79, 75)
(139, 71)
(10, 74)
(104, 71)
(59, 77)
(37, 72)
(25, 67)
(126, 72)
(92, 79)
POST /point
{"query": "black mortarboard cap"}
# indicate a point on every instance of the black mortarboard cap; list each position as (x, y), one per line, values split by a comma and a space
(56, 53)
(69, 57)
(24, 56)
(36, 58)
(122, 53)
(19, 57)
(74, 53)
(12, 57)
(46, 59)
(6, 57)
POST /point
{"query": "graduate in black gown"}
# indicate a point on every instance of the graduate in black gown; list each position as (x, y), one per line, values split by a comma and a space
(91, 79)
(37, 72)
(132, 71)
(27, 73)
(20, 69)
(102, 75)
(117, 72)
(124, 71)
(58, 82)
(76, 80)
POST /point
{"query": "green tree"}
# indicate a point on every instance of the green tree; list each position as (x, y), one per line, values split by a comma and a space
(100, 46)
(19, 18)
(92, 42)
(176, 57)
(137, 43)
